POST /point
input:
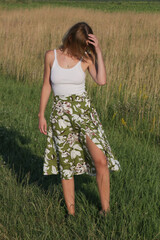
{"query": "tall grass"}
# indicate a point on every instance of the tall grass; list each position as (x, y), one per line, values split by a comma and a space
(130, 45)
(32, 206)
(102, 5)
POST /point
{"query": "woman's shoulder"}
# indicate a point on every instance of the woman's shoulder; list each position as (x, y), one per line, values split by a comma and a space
(49, 53)
(49, 56)
(88, 60)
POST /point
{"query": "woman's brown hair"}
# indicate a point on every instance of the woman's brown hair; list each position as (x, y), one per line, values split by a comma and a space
(74, 40)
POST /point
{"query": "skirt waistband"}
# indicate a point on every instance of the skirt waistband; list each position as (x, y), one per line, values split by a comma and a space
(72, 97)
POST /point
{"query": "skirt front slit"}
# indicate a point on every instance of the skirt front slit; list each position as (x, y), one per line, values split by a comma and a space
(66, 153)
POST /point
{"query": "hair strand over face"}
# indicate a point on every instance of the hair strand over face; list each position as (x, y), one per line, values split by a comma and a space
(75, 41)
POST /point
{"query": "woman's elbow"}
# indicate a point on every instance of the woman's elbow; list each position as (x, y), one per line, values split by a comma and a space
(102, 83)
(47, 88)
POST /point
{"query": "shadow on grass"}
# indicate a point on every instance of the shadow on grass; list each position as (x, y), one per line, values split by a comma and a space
(28, 167)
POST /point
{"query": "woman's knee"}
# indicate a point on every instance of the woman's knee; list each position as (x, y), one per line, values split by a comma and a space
(101, 164)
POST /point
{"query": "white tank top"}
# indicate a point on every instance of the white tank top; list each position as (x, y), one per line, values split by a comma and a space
(67, 81)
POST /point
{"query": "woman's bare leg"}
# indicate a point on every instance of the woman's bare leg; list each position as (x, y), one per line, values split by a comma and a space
(102, 173)
(103, 182)
(69, 194)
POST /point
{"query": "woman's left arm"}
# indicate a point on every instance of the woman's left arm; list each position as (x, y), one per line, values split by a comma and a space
(100, 76)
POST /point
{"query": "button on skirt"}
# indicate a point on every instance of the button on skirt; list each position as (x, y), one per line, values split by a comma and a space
(66, 153)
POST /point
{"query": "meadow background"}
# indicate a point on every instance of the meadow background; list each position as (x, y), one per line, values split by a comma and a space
(32, 205)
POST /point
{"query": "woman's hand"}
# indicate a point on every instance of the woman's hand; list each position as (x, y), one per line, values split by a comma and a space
(94, 41)
(43, 125)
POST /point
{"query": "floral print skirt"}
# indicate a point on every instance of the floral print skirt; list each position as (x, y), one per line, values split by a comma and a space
(66, 153)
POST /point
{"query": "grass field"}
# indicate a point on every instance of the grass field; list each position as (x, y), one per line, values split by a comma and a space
(106, 6)
(32, 205)
(130, 43)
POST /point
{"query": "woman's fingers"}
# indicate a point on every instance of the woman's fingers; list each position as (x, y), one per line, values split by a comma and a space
(91, 36)
(93, 40)
(43, 131)
(43, 128)
(93, 43)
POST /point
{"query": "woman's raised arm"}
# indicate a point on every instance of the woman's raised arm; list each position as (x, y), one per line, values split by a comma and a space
(100, 76)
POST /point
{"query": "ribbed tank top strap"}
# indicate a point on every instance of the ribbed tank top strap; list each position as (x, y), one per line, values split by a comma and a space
(55, 55)
(55, 60)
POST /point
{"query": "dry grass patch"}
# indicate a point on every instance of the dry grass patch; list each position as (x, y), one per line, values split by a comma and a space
(130, 43)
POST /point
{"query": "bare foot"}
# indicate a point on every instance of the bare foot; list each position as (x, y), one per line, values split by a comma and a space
(71, 210)
(104, 212)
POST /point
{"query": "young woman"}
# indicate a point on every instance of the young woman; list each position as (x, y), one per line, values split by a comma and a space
(76, 142)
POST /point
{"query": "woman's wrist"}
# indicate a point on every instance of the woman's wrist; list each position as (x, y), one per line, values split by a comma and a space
(98, 51)
(40, 115)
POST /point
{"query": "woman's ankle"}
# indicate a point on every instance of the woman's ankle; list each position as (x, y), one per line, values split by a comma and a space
(71, 214)
(71, 210)
(107, 209)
